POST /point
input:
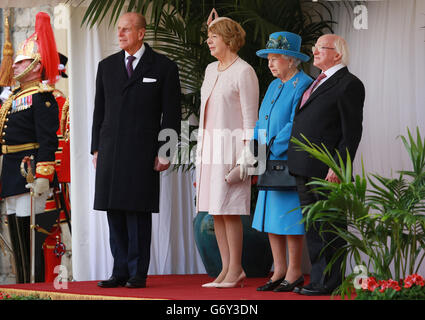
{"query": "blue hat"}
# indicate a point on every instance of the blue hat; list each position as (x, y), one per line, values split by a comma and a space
(286, 43)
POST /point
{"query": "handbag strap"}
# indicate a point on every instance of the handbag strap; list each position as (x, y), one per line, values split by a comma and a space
(269, 147)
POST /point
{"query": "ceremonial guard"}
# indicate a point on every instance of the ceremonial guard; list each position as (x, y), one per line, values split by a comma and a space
(28, 123)
(58, 206)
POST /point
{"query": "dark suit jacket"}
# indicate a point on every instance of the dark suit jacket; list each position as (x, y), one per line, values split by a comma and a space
(333, 116)
(128, 116)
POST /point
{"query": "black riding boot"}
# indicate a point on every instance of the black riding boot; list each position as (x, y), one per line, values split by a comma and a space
(16, 247)
(23, 224)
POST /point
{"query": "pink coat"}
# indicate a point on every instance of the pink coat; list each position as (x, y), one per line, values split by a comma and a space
(229, 111)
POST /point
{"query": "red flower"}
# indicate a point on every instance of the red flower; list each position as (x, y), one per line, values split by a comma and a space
(369, 284)
(4, 296)
(401, 286)
(413, 279)
(389, 284)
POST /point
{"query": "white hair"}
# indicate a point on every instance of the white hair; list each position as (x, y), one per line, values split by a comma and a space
(295, 61)
(342, 48)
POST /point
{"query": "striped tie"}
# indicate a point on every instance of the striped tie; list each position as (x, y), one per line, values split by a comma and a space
(308, 92)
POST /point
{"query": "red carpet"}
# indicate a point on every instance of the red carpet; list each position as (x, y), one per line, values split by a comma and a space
(170, 287)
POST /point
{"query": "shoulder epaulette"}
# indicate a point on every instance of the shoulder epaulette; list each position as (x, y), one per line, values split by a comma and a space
(57, 93)
(44, 87)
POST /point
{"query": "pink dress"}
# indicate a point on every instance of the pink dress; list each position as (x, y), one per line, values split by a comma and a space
(229, 111)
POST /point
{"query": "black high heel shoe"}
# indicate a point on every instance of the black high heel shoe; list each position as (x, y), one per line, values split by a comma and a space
(270, 285)
(286, 286)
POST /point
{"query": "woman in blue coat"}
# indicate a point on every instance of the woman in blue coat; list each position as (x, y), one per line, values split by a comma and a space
(274, 211)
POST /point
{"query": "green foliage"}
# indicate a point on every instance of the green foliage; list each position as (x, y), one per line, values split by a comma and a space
(415, 293)
(385, 216)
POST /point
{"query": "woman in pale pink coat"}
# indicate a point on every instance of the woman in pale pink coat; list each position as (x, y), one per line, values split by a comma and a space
(229, 109)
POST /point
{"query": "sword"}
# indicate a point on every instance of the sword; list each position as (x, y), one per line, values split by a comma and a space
(28, 174)
(4, 241)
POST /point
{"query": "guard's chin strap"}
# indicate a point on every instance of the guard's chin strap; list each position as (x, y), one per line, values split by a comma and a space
(28, 69)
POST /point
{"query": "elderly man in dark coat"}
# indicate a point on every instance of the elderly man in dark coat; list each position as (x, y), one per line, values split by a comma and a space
(137, 95)
(329, 113)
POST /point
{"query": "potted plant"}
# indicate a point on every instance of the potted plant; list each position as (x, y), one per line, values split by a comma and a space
(385, 220)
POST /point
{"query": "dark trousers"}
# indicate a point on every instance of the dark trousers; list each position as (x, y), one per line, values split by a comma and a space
(130, 241)
(317, 241)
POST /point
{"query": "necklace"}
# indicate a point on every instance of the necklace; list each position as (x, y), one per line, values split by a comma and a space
(290, 77)
(226, 67)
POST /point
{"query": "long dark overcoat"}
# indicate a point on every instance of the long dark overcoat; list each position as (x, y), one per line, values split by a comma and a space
(128, 116)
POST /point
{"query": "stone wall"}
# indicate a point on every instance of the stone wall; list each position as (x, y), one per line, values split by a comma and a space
(22, 22)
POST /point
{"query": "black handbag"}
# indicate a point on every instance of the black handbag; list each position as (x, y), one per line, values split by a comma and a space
(276, 176)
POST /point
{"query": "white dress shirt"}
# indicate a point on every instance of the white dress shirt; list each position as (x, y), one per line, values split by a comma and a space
(329, 73)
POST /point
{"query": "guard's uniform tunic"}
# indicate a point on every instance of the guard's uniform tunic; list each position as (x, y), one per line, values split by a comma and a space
(28, 125)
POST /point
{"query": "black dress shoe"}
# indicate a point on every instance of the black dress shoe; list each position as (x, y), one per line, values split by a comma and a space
(286, 286)
(270, 285)
(297, 289)
(112, 282)
(136, 283)
(315, 291)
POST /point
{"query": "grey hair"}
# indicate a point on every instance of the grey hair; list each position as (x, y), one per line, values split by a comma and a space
(295, 61)
(342, 48)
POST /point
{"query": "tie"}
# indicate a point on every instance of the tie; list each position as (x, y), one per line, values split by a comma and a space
(307, 94)
(130, 65)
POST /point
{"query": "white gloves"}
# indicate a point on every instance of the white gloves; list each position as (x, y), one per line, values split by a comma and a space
(40, 185)
(246, 161)
(5, 94)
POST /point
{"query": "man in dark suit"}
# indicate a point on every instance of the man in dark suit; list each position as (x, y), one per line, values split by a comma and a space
(330, 112)
(137, 95)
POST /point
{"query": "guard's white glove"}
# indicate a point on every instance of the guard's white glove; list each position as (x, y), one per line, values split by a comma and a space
(40, 185)
(246, 161)
(5, 94)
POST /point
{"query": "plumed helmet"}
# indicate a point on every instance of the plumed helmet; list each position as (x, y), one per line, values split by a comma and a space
(40, 47)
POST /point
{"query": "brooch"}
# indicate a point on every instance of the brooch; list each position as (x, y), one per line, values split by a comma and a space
(295, 82)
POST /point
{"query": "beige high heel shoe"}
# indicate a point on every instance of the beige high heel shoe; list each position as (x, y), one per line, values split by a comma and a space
(239, 282)
(210, 285)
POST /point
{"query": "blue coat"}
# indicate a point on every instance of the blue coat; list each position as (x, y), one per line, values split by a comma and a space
(273, 210)
(277, 112)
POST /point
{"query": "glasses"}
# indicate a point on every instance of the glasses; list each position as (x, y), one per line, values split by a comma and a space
(320, 48)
